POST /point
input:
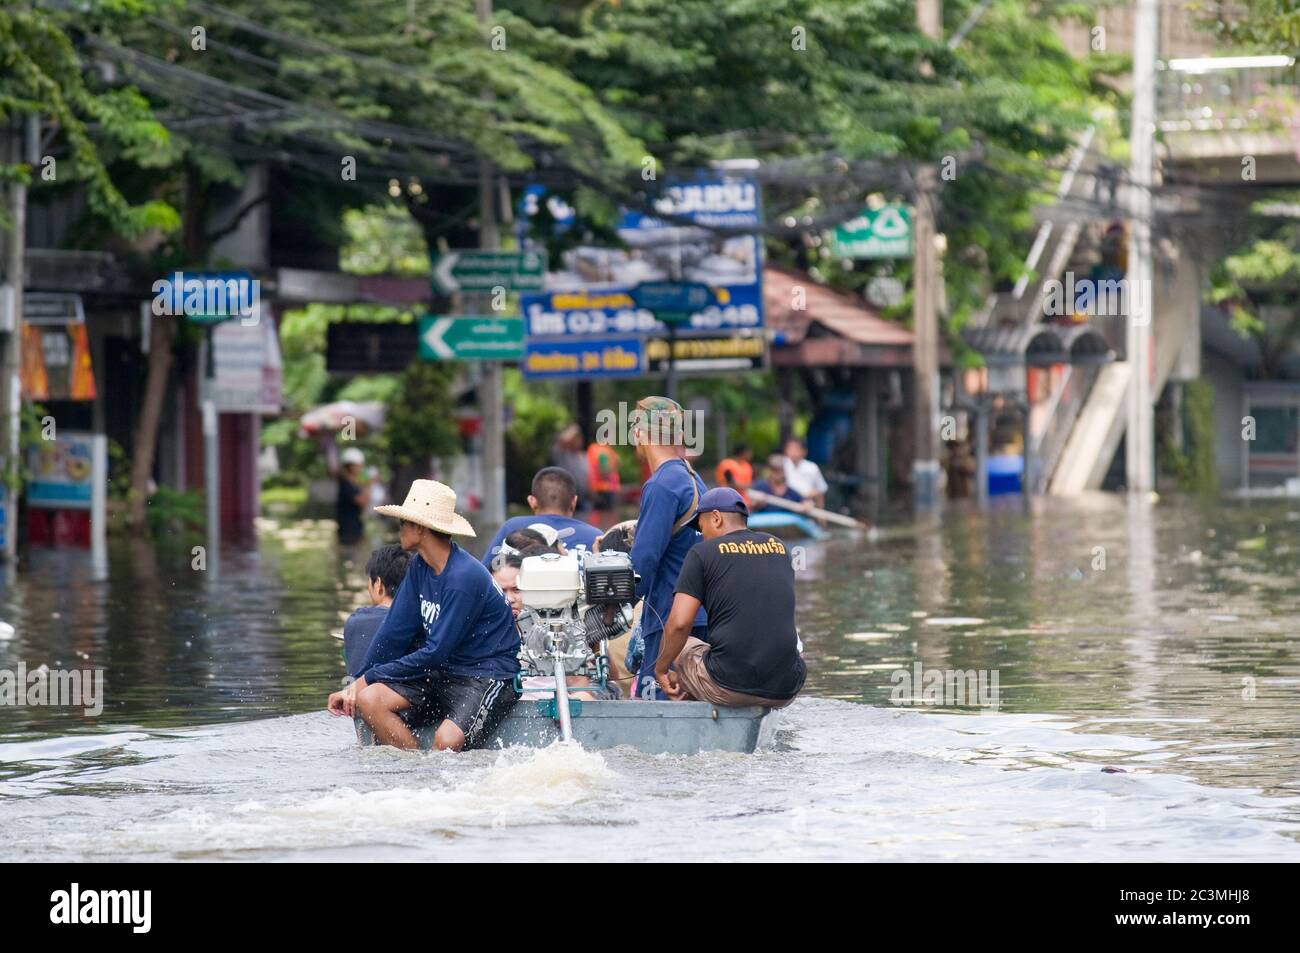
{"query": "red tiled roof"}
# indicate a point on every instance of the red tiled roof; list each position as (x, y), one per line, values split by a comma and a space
(844, 315)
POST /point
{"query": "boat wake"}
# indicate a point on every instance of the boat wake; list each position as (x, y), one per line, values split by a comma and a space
(841, 781)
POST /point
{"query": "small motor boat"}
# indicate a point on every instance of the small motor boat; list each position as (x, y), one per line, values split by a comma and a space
(651, 727)
(573, 605)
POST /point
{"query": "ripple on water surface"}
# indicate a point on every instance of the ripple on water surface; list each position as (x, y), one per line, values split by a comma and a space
(842, 782)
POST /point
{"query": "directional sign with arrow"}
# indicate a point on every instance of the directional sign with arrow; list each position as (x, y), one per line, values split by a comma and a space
(471, 338)
(485, 270)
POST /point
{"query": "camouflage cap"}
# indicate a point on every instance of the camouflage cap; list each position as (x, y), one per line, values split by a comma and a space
(662, 418)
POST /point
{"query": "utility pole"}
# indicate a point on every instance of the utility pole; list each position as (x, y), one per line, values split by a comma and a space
(1139, 455)
(925, 316)
(490, 398)
(211, 449)
(24, 147)
(929, 17)
(925, 351)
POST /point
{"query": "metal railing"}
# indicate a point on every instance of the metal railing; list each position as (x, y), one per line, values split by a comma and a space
(1048, 441)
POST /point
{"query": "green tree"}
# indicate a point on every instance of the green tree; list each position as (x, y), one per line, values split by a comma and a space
(43, 74)
(1258, 285)
(419, 424)
(97, 130)
(1270, 26)
(834, 98)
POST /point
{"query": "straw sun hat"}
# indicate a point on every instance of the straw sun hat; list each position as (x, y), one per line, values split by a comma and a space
(432, 505)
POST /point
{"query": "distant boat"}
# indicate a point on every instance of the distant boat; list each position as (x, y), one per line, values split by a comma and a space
(787, 525)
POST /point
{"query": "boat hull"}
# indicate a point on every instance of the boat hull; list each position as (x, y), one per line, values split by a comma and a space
(651, 727)
(787, 525)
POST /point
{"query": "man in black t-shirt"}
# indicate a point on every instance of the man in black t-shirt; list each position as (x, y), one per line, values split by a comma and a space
(745, 582)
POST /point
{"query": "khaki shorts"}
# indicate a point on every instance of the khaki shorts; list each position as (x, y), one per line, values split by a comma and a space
(695, 678)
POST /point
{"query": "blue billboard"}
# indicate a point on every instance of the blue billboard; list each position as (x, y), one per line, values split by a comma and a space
(592, 294)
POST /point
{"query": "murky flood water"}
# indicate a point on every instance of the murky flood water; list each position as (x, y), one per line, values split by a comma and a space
(1159, 643)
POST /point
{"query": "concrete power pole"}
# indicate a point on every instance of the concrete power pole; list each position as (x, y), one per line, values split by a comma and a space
(925, 316)
(491, 403)
(925, 352)
(24, 147)
(1139, 457)
(929, 17)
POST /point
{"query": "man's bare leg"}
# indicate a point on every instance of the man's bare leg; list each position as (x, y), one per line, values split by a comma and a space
(448, 737)
(378, 705)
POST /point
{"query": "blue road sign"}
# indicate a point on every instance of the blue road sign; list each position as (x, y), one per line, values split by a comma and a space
(589, 359)
(672, 296)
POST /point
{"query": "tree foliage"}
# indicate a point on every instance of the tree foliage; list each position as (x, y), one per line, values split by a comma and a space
(1257, 285)
(844, 99)
(42, 73)
(1269, 26)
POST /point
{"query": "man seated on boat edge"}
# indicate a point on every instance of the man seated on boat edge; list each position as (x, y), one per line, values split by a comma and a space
(745, 581)
(448, 651)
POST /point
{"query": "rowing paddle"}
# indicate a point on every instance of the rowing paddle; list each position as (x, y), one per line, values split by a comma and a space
(839, 519)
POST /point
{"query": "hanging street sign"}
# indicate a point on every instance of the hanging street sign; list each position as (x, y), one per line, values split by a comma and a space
(885, 232)
(363, 347)
(672, 297)
(586, 359)
(471, 338)
(707, 355)
(485, 270)
(885, 291)
(209, 297)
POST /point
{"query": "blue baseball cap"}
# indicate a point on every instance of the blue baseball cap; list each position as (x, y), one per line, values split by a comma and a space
(721, 499)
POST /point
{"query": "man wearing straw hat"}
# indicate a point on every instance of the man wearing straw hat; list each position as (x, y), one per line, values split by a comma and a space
(448, 651)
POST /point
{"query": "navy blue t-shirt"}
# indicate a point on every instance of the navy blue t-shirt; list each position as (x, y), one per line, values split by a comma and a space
(465, 622)
(658, 553)
(581, 536)
(358, 632)
(789, 493)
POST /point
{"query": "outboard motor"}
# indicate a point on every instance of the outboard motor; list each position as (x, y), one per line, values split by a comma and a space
(572, 607)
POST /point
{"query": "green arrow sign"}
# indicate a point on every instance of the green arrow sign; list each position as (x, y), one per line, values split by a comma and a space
(485, 270)
(885, 232)
(471, 338)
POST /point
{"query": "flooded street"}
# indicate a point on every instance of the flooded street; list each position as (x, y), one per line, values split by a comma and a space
(1161, 643)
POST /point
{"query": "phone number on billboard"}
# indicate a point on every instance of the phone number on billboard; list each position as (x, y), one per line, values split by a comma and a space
(541, 323)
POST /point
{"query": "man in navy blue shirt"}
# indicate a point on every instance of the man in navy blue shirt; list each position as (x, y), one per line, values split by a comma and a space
(776, 485)
(553, 501)
(448, 650)
(663, 537)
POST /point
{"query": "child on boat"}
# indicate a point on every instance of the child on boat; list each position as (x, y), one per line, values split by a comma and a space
(385, 571)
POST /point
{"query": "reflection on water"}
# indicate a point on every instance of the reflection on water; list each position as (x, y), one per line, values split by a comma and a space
(1159, 640)
(1177, 623)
